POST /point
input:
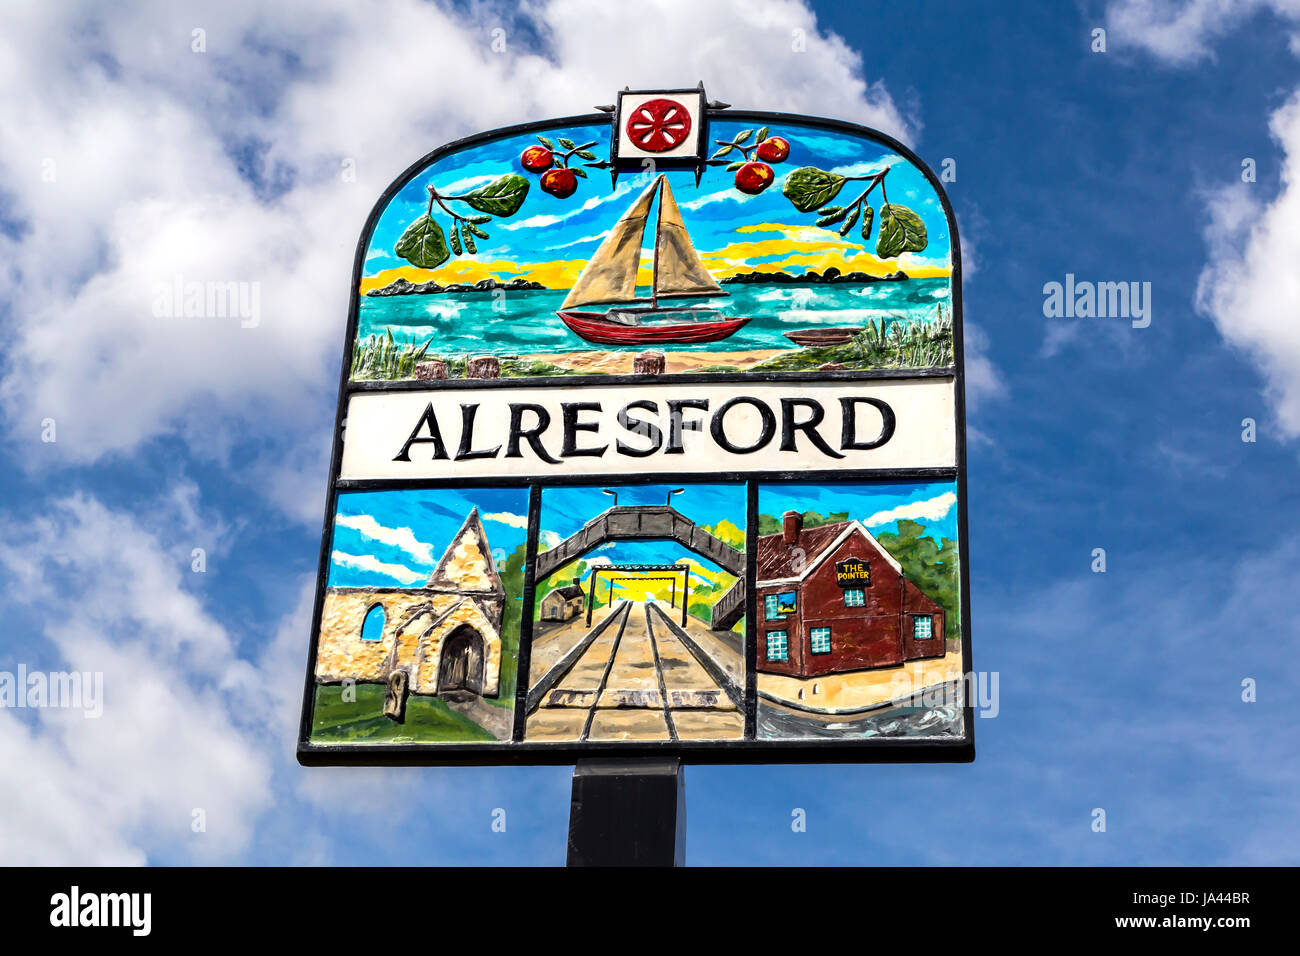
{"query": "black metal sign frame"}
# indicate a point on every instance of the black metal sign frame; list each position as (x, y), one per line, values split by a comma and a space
(749, 750)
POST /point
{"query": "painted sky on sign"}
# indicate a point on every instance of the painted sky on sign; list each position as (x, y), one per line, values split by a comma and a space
(395, 538)
(549, 239)
(879, 507)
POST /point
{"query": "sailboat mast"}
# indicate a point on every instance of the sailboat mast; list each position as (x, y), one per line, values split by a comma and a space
(654, 268)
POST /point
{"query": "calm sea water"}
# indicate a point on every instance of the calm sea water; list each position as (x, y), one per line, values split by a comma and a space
(524, 322)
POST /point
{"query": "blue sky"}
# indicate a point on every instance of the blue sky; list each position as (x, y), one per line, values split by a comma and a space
(1120, 691)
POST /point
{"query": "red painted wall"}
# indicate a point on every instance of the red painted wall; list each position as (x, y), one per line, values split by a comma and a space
(878, 634)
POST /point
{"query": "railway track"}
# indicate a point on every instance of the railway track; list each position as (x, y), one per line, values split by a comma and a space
(636, 675)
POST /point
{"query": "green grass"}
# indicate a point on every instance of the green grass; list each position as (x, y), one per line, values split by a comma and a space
(428, 719)
(383, 358)
(532, 368)
(903, 344)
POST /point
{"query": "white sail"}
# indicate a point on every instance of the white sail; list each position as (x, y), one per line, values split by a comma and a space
(610, 275)
(678, 269)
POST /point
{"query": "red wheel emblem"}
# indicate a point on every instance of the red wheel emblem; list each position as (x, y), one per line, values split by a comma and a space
(657, 126)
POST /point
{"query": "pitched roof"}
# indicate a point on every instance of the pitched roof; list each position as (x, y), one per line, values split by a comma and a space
(567, 591)
(777, 562)
(469, 542)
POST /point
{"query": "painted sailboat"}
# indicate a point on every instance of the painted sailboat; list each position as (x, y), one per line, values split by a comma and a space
(677, 273)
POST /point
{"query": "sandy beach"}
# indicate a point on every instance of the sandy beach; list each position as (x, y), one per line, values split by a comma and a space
(621, 362)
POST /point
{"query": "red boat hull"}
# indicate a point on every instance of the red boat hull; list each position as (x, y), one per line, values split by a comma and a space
(594, 327)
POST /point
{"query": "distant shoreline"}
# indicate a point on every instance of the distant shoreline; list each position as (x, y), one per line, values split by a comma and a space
(831, 275)
(403, 286)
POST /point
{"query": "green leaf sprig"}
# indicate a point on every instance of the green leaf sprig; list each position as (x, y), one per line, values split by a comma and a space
(901, 230)
(425, 245)
(726, 146)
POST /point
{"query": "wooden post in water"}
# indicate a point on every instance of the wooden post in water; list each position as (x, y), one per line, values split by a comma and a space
(686, 592)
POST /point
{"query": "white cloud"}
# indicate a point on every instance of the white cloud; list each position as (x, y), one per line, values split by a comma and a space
(983, 381)
(1182, 33)
(1249, 285)
(149, 144)
(931, 508)
(505, 517)
(402, 538)
(183, 727)
(622, 189)
(127, 160)
(368, 562)
(722, 195)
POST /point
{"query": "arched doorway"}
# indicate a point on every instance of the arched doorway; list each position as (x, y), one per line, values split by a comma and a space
(460, 665)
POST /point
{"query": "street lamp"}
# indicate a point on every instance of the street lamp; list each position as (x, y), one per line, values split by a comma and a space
(669, 500)
(614, 493)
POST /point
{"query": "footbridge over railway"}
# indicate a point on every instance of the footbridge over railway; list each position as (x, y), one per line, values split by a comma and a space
(655, 523)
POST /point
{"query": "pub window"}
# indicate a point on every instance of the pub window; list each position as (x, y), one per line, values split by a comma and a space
(372, 628)
(855, 597)
(777, 606)
(820, 640)
(769, 605)
(778, 647)
(922, 628)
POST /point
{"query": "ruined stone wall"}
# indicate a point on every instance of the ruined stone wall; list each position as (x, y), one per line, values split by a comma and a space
(342, 654)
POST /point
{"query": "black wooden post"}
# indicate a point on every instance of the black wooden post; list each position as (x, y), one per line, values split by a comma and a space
(628, 813)
(592, 583)
(686, 592)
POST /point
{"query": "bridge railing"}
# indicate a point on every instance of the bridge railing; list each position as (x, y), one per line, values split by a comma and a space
(729, 608)
(641, 521)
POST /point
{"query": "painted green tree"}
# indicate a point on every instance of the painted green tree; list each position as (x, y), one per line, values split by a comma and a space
(931, 566)
(768, 524)
(512, 579)
(728, 532)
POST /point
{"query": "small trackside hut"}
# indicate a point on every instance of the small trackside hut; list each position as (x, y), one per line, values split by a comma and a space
(831, 600)
(564, 603)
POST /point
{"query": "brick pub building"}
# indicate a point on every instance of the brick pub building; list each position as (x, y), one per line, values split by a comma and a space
(831, 599)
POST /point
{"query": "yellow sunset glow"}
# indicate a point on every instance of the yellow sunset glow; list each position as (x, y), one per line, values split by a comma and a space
(793, 248)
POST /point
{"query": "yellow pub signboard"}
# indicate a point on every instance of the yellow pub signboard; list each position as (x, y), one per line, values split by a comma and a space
(853, 572)
(650, 440)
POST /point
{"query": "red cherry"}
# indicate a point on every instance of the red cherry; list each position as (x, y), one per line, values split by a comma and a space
(536, 158)
(774, 149)
(559, 183)
(752, 178)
